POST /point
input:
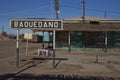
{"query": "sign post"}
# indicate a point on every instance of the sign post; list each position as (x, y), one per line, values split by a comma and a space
(36, 25)
(27, 36)
(69, 43)
(27, 47)
(54, 49)
(106, 41)
(17, 49)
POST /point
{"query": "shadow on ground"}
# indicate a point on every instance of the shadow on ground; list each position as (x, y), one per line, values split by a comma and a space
(51, 77)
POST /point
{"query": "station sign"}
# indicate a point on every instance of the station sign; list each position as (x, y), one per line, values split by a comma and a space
(36, 24)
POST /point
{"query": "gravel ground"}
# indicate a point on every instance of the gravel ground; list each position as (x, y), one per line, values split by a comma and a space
(75, 65)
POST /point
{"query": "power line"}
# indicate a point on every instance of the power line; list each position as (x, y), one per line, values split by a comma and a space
(48, 5)
(89, 9)
(24, 11)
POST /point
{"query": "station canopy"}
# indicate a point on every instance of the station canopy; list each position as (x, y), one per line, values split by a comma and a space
(91, 24)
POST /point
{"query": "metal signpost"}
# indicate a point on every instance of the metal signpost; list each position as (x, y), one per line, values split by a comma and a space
(17, 49)
(54, 49)
(27, 36)
(36, 25)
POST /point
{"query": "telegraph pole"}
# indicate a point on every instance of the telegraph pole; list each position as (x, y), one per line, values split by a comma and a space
(2, 29)
(83, 13)
(105, 16)
(57, 17)
(83, 10)
(2, 32)
(57, 9)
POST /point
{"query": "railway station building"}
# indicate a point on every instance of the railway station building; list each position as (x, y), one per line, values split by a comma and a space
(79, 34)
(94, 33)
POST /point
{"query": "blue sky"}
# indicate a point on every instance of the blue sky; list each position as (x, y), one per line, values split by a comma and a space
(45, 9)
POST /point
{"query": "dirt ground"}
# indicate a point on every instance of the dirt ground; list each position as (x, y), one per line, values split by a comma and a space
(74, 65)
(83, 63)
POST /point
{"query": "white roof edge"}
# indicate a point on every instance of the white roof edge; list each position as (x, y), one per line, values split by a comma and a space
(88, 18)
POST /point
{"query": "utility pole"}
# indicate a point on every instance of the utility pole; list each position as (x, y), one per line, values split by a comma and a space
(2, 29)
(83, 15)
(83, 10)
(105, 16)
(2, 32)
(57, 9)
(57, 17)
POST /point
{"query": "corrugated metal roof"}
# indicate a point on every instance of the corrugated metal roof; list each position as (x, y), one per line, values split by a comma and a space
(88, 18)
